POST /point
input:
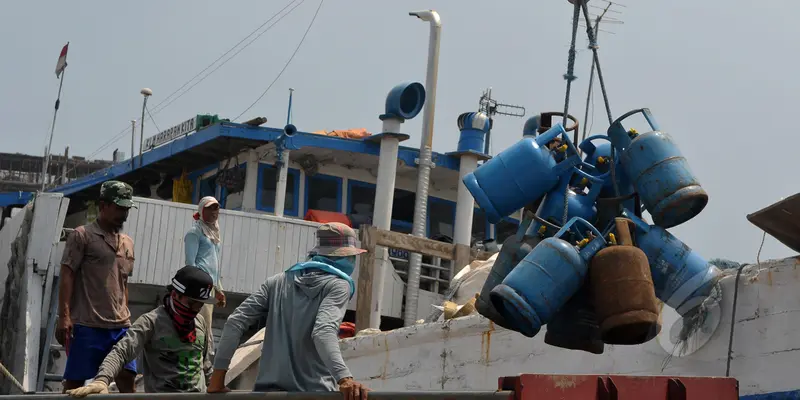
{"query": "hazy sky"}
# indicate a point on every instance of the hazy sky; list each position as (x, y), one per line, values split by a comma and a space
(718, 76)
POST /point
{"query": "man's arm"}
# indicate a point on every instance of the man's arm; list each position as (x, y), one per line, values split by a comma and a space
(253, 308)
(70, 264)
(127, 349)
(326, 328)
(190, 247)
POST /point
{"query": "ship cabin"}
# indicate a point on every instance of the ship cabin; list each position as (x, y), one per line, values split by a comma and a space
(329, 176)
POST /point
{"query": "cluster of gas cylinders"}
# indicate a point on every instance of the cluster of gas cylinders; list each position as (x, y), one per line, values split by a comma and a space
(585, 261)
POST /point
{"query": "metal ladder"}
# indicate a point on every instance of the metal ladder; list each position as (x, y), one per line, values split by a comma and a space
(49, 344)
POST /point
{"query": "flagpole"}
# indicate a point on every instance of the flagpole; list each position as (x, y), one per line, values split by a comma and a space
(52, 130)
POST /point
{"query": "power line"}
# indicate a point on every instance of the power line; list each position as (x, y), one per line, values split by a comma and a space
(122, 132)
(314, 18)
(152, 120)
(231, 57)
(225, 53)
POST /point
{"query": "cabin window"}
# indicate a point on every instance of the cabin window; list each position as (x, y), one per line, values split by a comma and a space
(267, 184)
(505, 229)
(231, 199)
(480, 225)
(361, 197)
(441, 217)
(324, 192)
(403, 206)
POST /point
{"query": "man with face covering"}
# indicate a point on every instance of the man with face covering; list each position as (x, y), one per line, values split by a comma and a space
(202, 248)
(93, 290)
(304, 307)
(172, 339)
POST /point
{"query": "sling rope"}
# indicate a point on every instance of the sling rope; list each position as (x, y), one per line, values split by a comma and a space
(12, 379)
(569, 77)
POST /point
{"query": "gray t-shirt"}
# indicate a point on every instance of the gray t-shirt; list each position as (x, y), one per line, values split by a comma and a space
(169, 364)
(301, 345)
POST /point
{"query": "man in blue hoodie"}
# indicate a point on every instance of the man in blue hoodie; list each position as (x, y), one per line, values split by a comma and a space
(304, 307)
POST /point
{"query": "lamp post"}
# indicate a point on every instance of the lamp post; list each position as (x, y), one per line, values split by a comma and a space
(146, 92)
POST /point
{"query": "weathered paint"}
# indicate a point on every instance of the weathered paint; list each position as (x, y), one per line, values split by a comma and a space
(458, 354)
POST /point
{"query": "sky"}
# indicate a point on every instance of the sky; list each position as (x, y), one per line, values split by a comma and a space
(717, 76)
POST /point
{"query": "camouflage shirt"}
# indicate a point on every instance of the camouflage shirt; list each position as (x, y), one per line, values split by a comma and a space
(169, 364)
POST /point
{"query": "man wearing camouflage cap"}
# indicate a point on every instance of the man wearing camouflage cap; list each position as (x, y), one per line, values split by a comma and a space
(93, 310)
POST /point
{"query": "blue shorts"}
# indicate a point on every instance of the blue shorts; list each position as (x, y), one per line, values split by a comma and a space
(88, 348)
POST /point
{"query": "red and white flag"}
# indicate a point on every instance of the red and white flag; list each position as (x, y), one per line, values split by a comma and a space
(62, 61)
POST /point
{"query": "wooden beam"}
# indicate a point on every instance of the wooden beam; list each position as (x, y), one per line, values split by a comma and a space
(366, 266)
(403, 241)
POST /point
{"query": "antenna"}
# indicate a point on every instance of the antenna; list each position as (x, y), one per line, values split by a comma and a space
(600, 16)
(491, 107)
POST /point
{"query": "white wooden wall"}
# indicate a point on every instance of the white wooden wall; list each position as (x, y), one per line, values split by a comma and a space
(254, 247)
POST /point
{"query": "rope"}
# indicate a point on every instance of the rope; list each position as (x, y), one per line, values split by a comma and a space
(596, 62)
(12, 379)
(569, 77)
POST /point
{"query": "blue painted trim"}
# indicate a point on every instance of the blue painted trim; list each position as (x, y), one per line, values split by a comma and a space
(238, 131)
(293, 174)
(195, 176)
(339, 182)
(790, 395)
(15, 198)
(223, 193)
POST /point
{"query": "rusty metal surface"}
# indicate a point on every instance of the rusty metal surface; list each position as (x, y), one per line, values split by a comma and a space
(624, 297)
(614, 387)
(240, 395)
(781, 220)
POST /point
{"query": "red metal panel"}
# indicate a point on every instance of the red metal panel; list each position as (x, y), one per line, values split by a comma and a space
(618, 387)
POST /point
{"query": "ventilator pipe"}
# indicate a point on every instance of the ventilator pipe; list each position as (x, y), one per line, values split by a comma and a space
(403, 102)
(473, 127)
(282, 146)
(423, 180)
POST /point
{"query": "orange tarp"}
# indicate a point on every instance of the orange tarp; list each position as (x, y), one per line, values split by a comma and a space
(327, 216)
(357, 133)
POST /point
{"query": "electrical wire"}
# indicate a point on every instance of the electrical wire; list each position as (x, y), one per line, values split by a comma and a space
(310, 24)
(121, 133)
(151, 120)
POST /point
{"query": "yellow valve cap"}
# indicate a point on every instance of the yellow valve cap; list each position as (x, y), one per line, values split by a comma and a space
(542, 229)
(562, 148)
(584, 181)
(612, 239)
(601, 160)
(583, 242)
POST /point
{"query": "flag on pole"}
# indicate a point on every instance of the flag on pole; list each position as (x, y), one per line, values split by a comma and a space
(62, 61)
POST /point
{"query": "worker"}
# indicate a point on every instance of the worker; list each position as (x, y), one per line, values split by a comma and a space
(93, 310)
(202, 250)
(173, 339)
(304, 307)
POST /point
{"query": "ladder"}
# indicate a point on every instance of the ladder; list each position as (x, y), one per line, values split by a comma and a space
(49, 344)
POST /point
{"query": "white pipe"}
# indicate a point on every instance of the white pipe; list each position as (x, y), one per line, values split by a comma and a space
(465, 204)
(382, 216)
(280, 188)
(423, 181)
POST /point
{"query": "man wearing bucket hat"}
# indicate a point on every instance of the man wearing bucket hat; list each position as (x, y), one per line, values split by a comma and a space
(173, 341)
(93, 290)
(304, 307)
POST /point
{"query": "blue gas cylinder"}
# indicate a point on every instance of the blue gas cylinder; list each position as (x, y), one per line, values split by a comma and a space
(660, 174)
(521, 174)
(473, 127)
(598, 155)
(515, 248)
(681, 277)
(545, 279)
(579, 202)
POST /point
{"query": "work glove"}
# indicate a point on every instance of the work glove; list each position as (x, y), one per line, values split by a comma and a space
(96, 387)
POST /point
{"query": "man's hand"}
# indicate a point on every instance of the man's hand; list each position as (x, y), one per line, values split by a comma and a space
(217, 384)
(352, 390)
(63, 330)
(96, 387)
(220, 298)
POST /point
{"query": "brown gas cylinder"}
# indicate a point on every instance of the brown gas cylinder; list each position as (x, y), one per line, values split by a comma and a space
(624, 297)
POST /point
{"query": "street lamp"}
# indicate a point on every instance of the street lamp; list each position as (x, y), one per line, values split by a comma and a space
(146, 92)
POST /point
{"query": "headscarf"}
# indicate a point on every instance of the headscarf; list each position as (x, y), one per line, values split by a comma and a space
(210, 230)
(182, 318)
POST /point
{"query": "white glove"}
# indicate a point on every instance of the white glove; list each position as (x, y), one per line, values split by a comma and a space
(96, 387)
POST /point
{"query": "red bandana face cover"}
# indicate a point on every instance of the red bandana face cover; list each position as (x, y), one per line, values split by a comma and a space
(182, 318)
